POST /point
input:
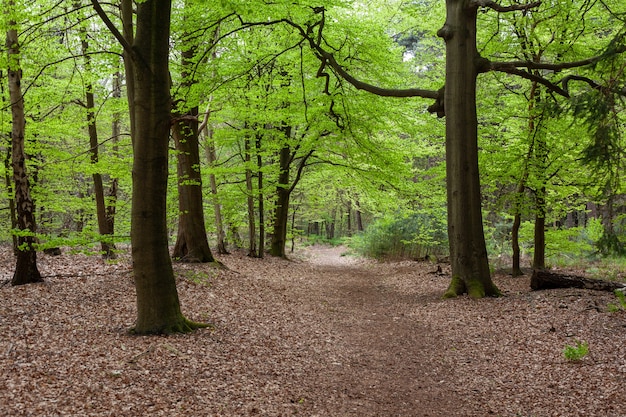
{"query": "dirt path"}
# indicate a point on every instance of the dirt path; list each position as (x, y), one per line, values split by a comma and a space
(386, 366)
(321, 335)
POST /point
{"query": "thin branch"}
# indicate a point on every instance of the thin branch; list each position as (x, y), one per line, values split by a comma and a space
(511, 69)
(556, 67)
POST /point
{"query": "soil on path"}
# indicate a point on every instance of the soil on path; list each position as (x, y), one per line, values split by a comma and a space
(319, 335)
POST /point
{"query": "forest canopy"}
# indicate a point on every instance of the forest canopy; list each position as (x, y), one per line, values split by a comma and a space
(317, 121)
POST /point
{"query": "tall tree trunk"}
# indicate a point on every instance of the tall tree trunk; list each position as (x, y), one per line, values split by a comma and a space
(217, 207)
(111, 195)
(191, 242)
(468, 252)
(252, 249)
(101, 214)
(259, 164)
(158, 306)
(26, 270)
(8, 178)
(281, 213)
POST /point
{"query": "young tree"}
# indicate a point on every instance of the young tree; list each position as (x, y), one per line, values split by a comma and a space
(158, 306)
(26, 270)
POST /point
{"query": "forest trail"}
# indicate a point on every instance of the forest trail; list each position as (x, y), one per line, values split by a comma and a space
(321, 334)
(386, 365)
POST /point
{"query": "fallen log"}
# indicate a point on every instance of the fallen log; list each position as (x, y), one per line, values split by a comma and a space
(543, 280)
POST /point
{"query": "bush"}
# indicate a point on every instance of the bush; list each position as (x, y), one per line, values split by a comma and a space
(403, 235)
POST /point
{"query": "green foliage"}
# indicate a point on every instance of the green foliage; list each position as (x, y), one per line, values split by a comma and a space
(576, 352)
(621, 302)
(413, 234)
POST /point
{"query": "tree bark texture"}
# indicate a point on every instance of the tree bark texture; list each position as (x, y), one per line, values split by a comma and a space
(468, 252)
(26, 270)
(543, 280)
(191, 242)
(158, 306)
(281, 213)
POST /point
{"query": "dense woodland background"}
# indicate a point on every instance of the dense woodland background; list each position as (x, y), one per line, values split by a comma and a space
(289, 152)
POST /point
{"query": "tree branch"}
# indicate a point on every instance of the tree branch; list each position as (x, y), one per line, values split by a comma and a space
(499, 8)
(113, 29)
(511, 69)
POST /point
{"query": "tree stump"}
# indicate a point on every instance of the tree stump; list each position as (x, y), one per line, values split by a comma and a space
(543, 280)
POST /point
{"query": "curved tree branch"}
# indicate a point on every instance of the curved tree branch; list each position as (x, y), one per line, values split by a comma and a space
(499, 8)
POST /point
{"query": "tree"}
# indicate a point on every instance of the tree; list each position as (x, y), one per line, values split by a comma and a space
(26, 270)
(457, 101)
(103, 210)
(158, 305)
(191, 242)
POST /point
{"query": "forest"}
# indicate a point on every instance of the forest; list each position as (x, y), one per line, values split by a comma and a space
(175, 142)
(264, 126)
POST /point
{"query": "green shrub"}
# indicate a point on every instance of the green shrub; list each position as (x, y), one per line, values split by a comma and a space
(403, 235)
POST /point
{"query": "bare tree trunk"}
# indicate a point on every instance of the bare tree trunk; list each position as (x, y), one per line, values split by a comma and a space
(8, 178)
(217, 207)
(111, 195)
(26, 270)
(252, 249)
(191, 242)
(259, 164)
(281, 213)
(158, 306)
(101, 214)
(468, 251)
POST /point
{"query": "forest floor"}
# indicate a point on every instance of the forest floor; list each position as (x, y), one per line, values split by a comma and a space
(319, 335)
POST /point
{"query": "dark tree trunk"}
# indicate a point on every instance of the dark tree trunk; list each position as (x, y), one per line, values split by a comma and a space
(468, 252)
(8, 177)
(111, 196)
(158, 306)
(543, 280)
(101, 209)
(539, 257)
(281, 214)
(26, 270)
(259, 164)
(191, 242)
(252, 249)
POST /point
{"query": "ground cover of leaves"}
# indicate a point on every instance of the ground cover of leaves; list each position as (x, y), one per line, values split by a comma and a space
(319, 335)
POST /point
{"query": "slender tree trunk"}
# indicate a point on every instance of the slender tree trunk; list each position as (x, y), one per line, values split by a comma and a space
(252, 249)
(26, 270)
(468, 252)
(111, 195)
(217, 207)
(101, 214)
(8, 177)
(259, 164)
